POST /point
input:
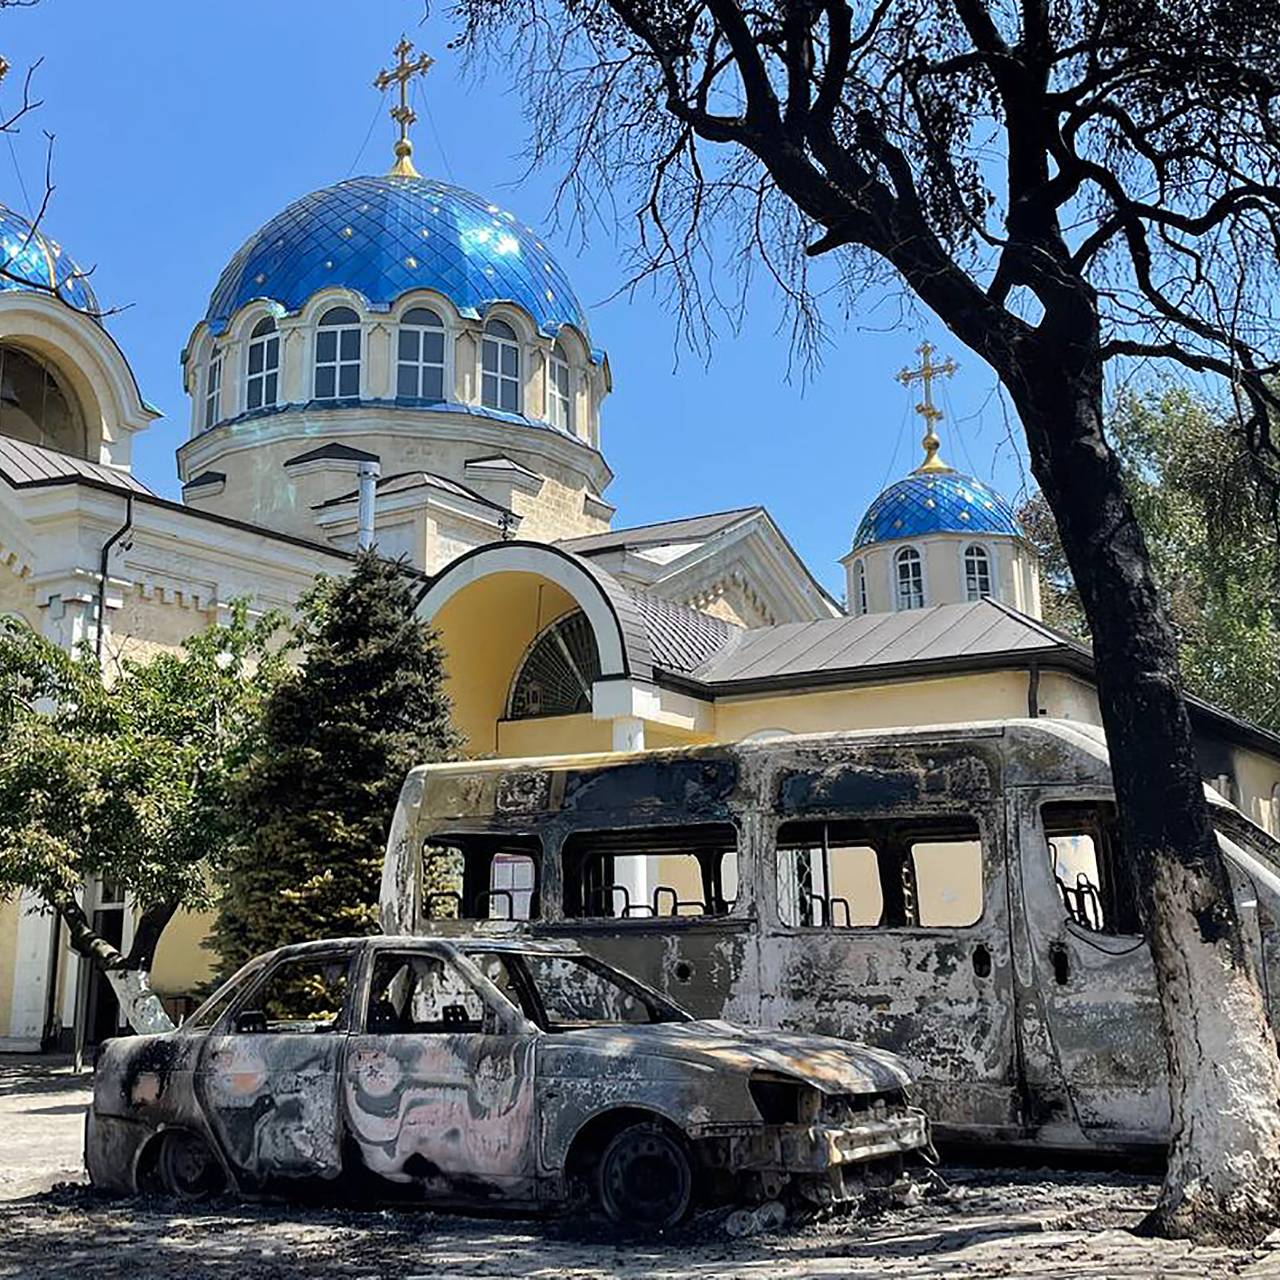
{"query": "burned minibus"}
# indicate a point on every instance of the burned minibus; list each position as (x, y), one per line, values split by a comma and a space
(958, 895)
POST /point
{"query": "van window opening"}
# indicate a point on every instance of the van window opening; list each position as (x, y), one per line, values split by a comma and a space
(645, 873)
(481, 877)
(888, 873)
(1089, 869)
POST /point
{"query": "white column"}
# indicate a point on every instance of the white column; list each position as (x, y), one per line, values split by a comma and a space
(633, 875)
(31, 962)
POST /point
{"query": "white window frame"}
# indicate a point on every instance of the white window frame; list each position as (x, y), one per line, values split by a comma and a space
(263, 340)
(907, 555)
(559, 403)
(212, 389)
(860, 599)
(966, 550)
(500, 343)
(419, 365)
(338, 363)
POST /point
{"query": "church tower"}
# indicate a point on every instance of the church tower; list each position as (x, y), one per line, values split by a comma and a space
(937, 536)
(402, 326)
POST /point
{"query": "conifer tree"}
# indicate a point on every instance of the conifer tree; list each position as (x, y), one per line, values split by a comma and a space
(314, 804)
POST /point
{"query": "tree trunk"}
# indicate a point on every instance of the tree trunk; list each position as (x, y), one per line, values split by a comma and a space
(1224, 1161)
(129, 975)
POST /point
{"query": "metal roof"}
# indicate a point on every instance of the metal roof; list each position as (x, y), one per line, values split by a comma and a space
(828, 646)
(689, 529)
(383, 236)
(27, 465)
(935, 502)
(402, 481)
(36, 263)
(680, 638)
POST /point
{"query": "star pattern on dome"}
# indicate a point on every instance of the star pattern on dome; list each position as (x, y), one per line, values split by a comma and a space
(935, 502)
(383, 236)
(34, 262)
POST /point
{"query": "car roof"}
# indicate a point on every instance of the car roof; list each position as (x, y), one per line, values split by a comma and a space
(431, 942)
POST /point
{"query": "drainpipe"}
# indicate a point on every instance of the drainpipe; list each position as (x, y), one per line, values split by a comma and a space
(368, 474)
(101, 618)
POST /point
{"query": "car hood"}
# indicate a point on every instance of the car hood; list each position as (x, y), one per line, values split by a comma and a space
(829, 1064)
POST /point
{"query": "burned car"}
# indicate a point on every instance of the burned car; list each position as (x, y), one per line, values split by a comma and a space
(488, 1072)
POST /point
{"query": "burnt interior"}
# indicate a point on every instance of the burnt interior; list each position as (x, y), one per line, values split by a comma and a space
(482, 876)
(1101, 895)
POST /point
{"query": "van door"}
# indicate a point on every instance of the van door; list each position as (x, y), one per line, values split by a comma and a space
(1098, 1069)
(884, 895)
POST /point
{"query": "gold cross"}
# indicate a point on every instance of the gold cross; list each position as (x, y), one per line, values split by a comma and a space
(931, 414)
(404, 115)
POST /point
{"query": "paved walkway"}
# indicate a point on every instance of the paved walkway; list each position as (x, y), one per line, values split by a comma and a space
(42, 1106)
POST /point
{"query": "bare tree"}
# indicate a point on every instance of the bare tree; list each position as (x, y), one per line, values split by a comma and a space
(1063, 183)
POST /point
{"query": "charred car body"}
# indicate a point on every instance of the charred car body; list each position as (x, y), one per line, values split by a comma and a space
(487, 1072)
(957, 895)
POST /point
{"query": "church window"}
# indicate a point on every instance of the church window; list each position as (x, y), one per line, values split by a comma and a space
(338, 355)
(557, 672)
(263, 381)
(212, 389)
(37, 406)
(977, 573)
(909, 574)
(420, 356)
(559, 401)
(500, 367)
(860, 588)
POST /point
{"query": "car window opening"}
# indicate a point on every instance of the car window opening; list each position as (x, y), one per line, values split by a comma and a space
(421, 994)
(1089, 869)
(561, 993)
(915, 872)
(645, 873)
(481, 877)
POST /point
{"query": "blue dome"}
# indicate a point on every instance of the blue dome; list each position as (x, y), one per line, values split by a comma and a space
(37, 264)
(384, 236)
(935, 502)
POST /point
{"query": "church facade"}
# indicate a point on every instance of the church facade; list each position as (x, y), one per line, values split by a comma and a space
(396, 360)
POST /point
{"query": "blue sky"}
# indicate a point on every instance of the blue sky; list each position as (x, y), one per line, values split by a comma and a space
(180, 129)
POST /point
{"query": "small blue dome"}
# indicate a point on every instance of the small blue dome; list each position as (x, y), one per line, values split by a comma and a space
(935, 502)
(386, 235)
(37, 264)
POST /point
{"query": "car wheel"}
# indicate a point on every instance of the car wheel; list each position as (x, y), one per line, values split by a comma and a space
(645, 1178)
(188, 1169)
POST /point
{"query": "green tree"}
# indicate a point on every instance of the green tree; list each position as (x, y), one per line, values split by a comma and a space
(126, 780)
(1213, 547)
(339, 735)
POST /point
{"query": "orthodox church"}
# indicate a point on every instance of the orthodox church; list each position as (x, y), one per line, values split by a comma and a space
(396, 361)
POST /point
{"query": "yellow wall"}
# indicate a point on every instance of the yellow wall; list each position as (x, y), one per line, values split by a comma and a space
(8, 948)
(554, 735)
(1256, 775)
(884, 706)
(182, 965)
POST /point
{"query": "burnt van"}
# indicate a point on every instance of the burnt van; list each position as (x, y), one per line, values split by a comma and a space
(958, 895)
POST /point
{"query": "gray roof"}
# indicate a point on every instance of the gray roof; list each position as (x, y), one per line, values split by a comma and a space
(28, 465)
(875, 642)
(405, 480)
(332, 452)
(680, 638)
(690, 529)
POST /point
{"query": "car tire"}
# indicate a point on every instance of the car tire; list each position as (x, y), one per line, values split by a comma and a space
(187, 1168)
(644, 1178)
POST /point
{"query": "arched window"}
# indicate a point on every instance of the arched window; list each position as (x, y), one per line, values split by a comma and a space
(420, 356)
(338, 355)
(558, 671)
(262, 384)
(559, 400)
(500, 367)
(977, 572)
(37, 406)
(212, 388)
(909, 575)
(860, 588)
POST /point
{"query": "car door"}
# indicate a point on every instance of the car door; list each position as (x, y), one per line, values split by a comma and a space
(1095, 1057)
(268, 1080)
(438, 1085)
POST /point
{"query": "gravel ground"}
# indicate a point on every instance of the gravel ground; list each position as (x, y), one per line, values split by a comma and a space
(1038, 1224)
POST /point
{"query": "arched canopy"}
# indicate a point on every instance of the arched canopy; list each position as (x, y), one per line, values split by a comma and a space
(491, 605)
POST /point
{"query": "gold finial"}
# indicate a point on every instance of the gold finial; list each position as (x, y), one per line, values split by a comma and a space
(925, 375)
(403, 114)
